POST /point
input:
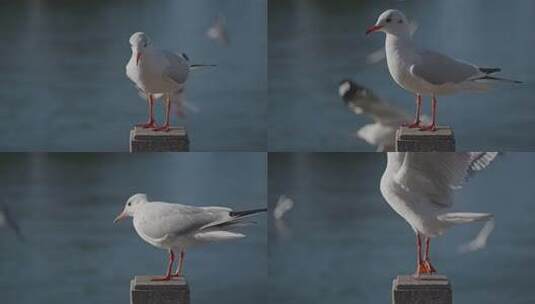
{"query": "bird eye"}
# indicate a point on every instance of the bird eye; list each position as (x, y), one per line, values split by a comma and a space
(388, 20)
(129, 204)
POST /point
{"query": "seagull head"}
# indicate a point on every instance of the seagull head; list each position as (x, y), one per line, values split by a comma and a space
(139, 41)
(131, 205)
(391, 22)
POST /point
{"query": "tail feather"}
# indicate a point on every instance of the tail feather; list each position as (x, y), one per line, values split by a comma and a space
(211, 236)
(468, 217)
(487, 77)
(464, 217)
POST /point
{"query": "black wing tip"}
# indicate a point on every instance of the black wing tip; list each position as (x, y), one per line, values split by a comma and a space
(490, 70)
(202, 65)
(247, 212)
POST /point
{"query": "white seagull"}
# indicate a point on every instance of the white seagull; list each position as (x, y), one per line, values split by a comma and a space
(420, 188)
(387, 117)
(157, 73)
(425, 72)
(177, 227)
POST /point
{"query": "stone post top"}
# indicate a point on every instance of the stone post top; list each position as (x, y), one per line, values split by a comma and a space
(423, 281)
(414, 140)
(140, 133)
(442, 132)
(144, 282)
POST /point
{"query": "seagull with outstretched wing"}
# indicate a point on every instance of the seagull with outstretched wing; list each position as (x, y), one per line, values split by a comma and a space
(420, 188)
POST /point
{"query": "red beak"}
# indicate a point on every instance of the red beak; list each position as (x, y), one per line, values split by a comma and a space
(138, 58)
(120, 217)
(374, 28)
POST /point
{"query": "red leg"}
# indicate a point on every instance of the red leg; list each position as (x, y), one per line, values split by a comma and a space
(421, 265)
(419, 268)
(180, 268)
(427, 259)
(417, 123)
(169, 268)
(433, 126)
(166, 127)
(151, 123)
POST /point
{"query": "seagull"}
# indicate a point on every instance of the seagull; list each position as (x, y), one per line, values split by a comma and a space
(426, 72)
(177, 227)
(158, 73)
(7, 220)
(282, 207)
(218, 32)
(361, 100)
(420, 188)
(284, 204)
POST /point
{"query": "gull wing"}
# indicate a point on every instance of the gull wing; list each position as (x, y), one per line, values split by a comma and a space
(438, 69)
(438, 174)
(159, 220)
(178, 68)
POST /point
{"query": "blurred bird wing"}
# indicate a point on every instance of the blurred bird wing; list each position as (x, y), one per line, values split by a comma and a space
(377, 134)
(283, 205)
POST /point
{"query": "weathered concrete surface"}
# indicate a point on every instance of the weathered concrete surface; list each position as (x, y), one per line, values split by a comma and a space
(147, 140)
(414, 140)
(145, 291)
(427, 289)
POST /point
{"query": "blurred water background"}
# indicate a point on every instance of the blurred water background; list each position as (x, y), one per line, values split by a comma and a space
(342, 243)
(73, 253)
(314, 44)
(63, 85)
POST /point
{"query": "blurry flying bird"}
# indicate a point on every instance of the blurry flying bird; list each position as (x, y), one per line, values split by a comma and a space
(388, 118)
(284, 204)
(218, 31)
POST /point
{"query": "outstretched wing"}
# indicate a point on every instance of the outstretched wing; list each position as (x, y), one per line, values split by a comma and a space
(437, 174)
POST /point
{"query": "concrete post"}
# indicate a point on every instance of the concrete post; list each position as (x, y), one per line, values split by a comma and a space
(145, 291)
(414, 140)
(427, 289)
(147, 140)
